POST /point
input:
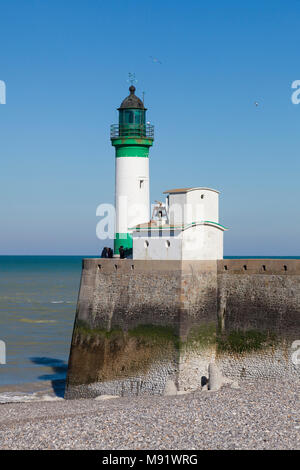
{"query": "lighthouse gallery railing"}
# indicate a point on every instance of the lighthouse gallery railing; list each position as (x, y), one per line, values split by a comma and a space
(132, 130)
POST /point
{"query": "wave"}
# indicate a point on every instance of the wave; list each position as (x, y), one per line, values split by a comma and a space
(10, 397)
(36, 303)
(28, 320)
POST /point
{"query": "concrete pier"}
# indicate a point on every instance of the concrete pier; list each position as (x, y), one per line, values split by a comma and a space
(141, 323)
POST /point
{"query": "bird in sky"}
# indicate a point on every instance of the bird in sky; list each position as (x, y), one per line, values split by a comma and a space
(155, 59)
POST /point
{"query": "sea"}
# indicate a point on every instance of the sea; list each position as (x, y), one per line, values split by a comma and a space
(38, 296)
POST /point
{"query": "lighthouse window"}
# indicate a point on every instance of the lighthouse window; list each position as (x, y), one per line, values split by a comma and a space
(141, 184)
(129, 117)
(146, 244)
(139, 116)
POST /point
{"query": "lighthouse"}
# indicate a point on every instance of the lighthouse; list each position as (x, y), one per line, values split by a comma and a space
(132, 137)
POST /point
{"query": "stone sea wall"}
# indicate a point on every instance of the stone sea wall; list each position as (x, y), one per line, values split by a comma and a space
(258, 318)
(141, 323)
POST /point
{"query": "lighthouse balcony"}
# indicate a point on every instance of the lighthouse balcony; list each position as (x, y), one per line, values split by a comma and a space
(132, 130)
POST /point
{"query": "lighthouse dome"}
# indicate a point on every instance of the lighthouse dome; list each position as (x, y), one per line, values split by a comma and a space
(132, 101)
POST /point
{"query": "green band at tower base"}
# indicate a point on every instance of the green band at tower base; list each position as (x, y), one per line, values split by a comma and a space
(125, 240)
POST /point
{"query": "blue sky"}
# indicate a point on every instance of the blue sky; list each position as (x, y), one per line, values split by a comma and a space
(65, 64)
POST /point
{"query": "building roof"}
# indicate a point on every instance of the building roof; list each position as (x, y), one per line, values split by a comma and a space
(186, 190)
(153, 225)
(132, 101)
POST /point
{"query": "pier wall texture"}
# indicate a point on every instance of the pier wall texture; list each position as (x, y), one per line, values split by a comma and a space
(141, 323)
(258, 318)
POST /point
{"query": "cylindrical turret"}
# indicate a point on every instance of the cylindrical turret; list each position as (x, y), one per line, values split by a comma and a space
(132, 138)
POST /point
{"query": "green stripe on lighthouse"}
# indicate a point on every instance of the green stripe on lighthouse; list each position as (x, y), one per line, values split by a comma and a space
(131, 151)
(122, 239)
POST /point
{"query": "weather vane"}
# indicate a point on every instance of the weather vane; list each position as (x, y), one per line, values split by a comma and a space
(131, 78)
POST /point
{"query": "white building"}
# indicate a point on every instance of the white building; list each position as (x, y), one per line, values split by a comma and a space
(185, 228)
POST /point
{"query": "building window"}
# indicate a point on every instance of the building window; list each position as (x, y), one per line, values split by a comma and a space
(141, 184)
(202, 196)
(146, 244)
(168, 244)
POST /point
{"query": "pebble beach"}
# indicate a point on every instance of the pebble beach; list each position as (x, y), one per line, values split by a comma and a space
(264, 415)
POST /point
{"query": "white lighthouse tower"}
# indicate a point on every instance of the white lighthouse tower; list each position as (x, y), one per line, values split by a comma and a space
(132, 138)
